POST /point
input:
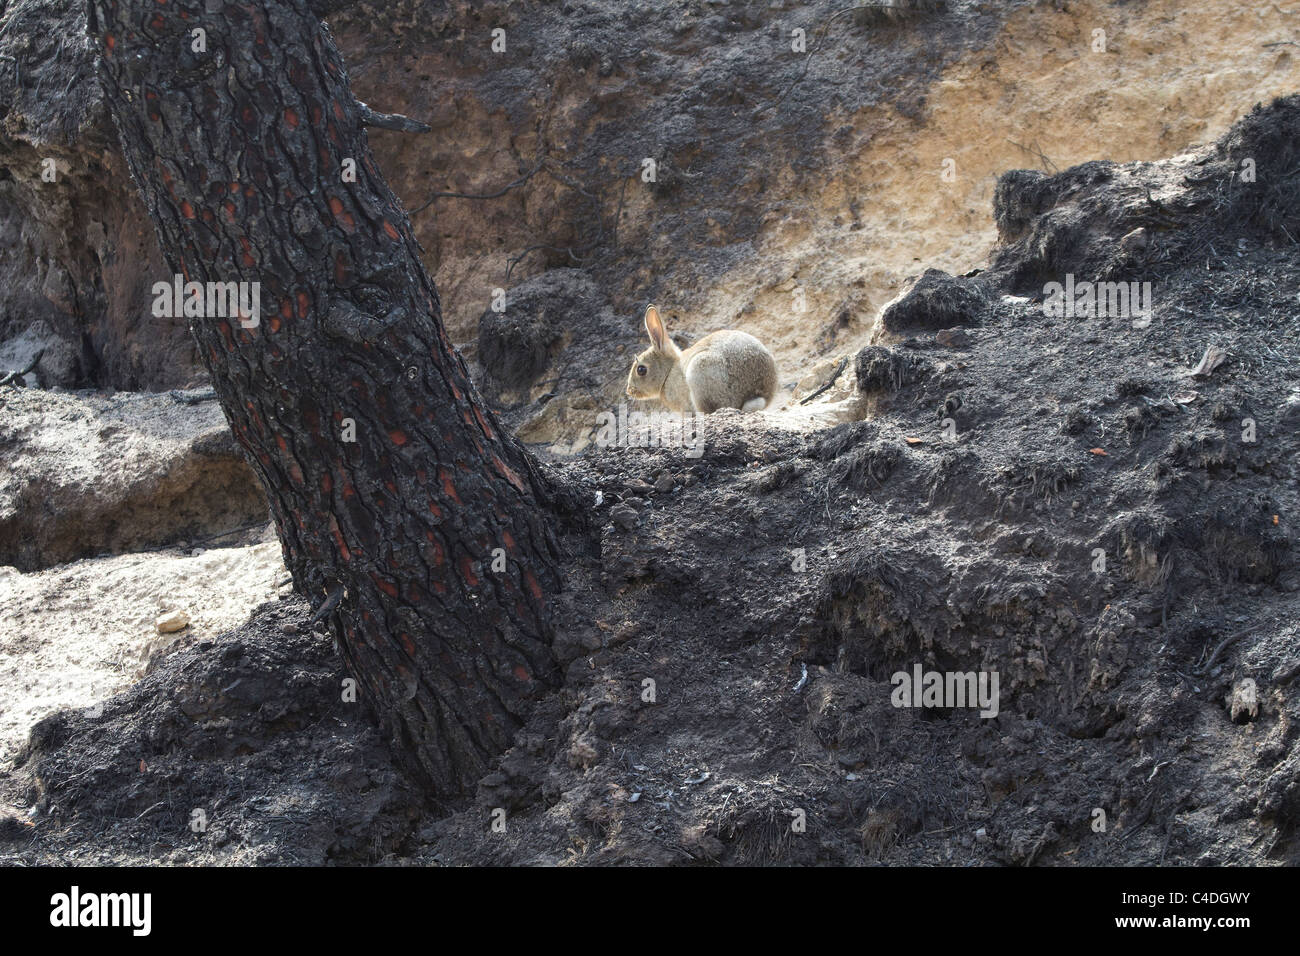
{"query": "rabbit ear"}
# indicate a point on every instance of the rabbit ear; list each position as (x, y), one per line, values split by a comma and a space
(654, 327)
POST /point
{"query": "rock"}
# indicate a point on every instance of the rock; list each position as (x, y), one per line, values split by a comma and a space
(87, 475)
(953, 339)
(664, 483)
(935, 300)
(638, 487)
(624, 515)
(172, 621)
(1243, 702)
(1137, 241)
(543, 319)
(60, 364)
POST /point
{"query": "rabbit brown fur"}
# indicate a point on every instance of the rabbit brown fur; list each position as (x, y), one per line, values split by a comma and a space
(727, 369)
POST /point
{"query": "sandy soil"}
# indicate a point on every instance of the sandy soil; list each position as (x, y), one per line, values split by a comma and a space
(73, 635)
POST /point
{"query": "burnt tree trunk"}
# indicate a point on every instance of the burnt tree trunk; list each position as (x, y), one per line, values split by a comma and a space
(240, 153)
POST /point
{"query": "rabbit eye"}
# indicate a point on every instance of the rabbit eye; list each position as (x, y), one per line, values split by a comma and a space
(641, 370)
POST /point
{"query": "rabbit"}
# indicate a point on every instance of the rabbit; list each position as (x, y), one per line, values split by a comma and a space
(727, 369)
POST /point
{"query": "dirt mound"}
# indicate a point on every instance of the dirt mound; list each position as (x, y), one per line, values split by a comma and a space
(1120, 221)
(934, 300)
(240, 749)
(555, 357)
(88, 474)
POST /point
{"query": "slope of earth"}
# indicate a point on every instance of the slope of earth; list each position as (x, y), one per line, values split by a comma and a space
(1100, 509)
(798, 178)
(74, 634)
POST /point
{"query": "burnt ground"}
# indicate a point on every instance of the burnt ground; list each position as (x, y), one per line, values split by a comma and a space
(975, 551)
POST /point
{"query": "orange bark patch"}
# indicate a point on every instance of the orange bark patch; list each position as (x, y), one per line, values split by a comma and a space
(467, 571)
(407, 644)
(187, 210)
(508, 541)
(290, 119)
(392, 233)
(338, 539)
(303, 303)
(388, 587)
(508, 473)
(448, 488)
(326, 483)
(336, 207)
(398, 437)
(483, 423)
(295, 474)
(522, 674)
(533, 586)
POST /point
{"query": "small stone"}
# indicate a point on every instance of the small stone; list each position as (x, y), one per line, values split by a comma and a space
(638, 487)
(172, 621)
(625, 633)
(1243, 702)
(289, 627)
(953, 339)
(624, 516)
(664, 483)
(981, 834)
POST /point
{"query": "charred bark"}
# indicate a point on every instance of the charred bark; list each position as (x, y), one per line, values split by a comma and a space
(239, 145)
